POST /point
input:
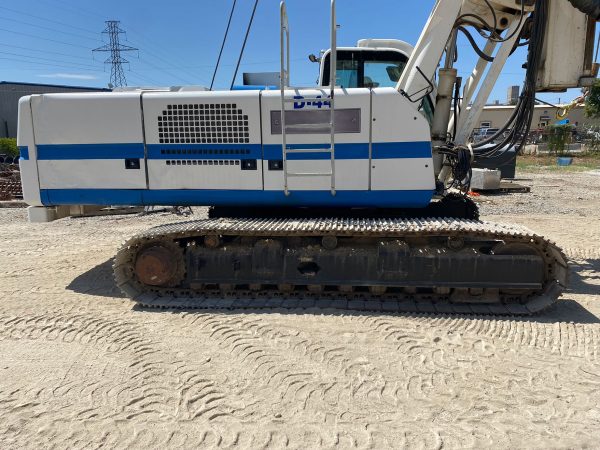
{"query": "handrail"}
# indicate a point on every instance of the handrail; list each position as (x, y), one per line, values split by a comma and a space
(332, 81)
(285, 55)
(333, 52)
(284, 34)
(284, 74)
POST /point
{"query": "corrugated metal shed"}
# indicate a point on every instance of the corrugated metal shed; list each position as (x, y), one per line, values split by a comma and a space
(11, 92)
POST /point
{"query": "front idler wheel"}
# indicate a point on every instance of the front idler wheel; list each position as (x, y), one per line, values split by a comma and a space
(160, 265)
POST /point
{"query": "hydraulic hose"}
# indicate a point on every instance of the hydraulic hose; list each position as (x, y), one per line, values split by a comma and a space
(590, 7)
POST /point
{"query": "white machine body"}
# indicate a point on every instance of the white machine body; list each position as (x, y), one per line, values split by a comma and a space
(222, 148)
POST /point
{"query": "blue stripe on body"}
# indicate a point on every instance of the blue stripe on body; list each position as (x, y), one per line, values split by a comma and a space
(358, 199)
(24, 152)
(89, 151)
(391, 150)
(384, 150)
(381, 150)
(342, 151)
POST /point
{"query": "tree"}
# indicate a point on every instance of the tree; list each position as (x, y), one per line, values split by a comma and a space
(592, 102)
(559, 136)
(9, 146)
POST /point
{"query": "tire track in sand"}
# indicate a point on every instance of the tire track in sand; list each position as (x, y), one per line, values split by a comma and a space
(560, 338)
(366, 379)
(545, 388)
(289, 382)
(140, 380)
(300, 378)
(368, 394)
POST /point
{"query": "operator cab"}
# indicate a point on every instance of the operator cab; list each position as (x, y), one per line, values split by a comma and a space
(373, 63)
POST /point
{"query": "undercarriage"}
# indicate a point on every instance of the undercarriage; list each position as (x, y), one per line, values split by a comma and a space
(413, 265)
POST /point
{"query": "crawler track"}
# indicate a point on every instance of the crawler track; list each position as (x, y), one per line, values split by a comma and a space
(428, 265)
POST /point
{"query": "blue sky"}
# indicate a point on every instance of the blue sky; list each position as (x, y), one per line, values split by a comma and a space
(50, 41)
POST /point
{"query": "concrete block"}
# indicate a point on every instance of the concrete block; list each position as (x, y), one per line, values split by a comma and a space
(485, 180)
(41, 214)
(84, 210)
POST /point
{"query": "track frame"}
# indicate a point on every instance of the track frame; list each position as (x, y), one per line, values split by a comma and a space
(392, 294)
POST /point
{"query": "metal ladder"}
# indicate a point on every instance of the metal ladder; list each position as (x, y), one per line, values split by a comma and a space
(285, 82)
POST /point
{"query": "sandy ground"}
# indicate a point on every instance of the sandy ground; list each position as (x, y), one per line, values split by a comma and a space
(80, 367)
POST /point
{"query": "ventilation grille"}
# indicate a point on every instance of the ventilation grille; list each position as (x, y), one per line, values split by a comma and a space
(213, 123)
(202, 162)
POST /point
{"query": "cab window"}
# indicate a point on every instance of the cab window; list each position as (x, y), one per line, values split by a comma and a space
(382, 73)
(347, 73)
(356, 68)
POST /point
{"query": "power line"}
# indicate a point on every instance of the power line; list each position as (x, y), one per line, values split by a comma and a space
(73, 64)
(161, 69)
(243, 64)
(244, 44)
(149, 64)
(167, 53)
(73, 9)
(170, 57)
(88, 13)
(168, 62)
(45, 19)
(80, 46)
(170, 66)
(137, 75)
(212, 82)
(44, 59)
(117, 76)
(43, 38)
(28, 92)
(45, 51)
(147, 78)
(54, 30)
(48, 64)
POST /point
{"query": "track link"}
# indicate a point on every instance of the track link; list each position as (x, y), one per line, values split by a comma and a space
(188, 236)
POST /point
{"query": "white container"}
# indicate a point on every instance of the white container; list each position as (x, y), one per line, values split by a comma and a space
(485, 180)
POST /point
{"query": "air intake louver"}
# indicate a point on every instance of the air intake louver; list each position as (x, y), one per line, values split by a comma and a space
(214, 123)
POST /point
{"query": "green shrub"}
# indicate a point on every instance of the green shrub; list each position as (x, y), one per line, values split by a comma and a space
(559, 137)
(9, 146)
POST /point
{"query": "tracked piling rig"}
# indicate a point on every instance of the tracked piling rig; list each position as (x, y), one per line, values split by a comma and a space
(348, 195)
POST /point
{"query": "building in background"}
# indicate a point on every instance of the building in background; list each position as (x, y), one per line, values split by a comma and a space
(512, 96)
(11, 92)
(495, 116)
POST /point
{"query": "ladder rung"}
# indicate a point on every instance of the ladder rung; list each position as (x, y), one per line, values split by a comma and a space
(308, 150)
(313, 126)
(310, 174)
